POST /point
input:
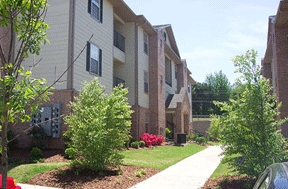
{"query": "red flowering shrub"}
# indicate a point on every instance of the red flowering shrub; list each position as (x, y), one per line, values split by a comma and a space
(151, 139)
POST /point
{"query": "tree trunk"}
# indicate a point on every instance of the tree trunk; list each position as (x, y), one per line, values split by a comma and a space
(4, 162)
(4, 165)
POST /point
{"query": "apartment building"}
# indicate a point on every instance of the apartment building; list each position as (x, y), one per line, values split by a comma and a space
(274, 64)
(106, 39)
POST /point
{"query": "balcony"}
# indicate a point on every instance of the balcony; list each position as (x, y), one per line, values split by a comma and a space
(119, 47)
(119, 41)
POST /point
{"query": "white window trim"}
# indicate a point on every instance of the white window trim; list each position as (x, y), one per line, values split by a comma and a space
(94, 55)
(98, 6)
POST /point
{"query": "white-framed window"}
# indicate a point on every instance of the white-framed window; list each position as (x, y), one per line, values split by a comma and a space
(94, 59)
(145, 38)
(189, 89)
(95, 9)
(146, 82)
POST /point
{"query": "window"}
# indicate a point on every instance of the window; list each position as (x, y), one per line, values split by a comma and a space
(95, 9)
(188, 88)
(94, 59)
(168, 78)
(145, 43)
(146, 82)
(146, 122)
(176, 71)
(165, 37)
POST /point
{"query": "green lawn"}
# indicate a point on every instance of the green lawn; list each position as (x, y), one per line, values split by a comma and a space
(223, 170)
(160, 157)
(23, 173)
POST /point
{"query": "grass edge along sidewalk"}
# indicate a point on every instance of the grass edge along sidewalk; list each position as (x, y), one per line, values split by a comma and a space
(159, 157)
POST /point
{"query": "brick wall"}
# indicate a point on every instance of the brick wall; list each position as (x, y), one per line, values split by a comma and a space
(138, 121)
(280, 49)
(59, 96)
(201, 127)
(157, 83)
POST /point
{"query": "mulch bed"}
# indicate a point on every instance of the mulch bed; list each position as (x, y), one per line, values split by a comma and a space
(67, 177)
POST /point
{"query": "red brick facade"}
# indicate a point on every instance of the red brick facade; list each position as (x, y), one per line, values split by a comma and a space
(157, 84)
(274, 64)
(59, 96)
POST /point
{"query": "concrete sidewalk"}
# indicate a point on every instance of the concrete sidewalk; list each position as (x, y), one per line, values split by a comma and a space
(190, 173)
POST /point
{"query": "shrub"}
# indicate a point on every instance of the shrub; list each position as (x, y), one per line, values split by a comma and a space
(189, 137)
(141, 144)
(35, 154)
(215, 128)
(201, 140)
(99, 127)
(168, 133)
(135, 145)
(151, 139)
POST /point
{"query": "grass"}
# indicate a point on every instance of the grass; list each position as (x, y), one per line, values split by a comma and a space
(160, 157)
(221, 170)
(23, 173)
(202, 119)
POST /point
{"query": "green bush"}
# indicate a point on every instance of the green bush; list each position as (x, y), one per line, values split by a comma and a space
(35, 154)
(215, 128)
(99, 127)
(141, 144)
(189, 137)
(168, 133)
(135, 145)
(201, 140)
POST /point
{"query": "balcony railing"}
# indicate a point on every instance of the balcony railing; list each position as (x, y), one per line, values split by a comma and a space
(118, 81)
(119, 41)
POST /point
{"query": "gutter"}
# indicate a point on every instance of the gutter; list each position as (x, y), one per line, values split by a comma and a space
(71, 35)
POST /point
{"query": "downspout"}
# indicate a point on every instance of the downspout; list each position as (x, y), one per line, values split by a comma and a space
(71, 35)
(136, 75)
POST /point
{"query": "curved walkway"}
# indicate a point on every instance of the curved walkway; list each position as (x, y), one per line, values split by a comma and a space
(190, 173)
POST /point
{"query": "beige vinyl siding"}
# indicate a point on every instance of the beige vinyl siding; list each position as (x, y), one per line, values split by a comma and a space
(53, 55)
(85, 26)
(143, 65)
(167, 38)
(126, 71)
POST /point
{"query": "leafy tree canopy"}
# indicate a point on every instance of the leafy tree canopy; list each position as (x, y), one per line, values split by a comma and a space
(249, 129)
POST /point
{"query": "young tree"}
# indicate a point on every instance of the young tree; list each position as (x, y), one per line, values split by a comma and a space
(250, 132)
(22, 30)
(98, 127)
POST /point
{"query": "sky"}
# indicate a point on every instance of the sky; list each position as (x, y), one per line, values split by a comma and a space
(210, 33)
